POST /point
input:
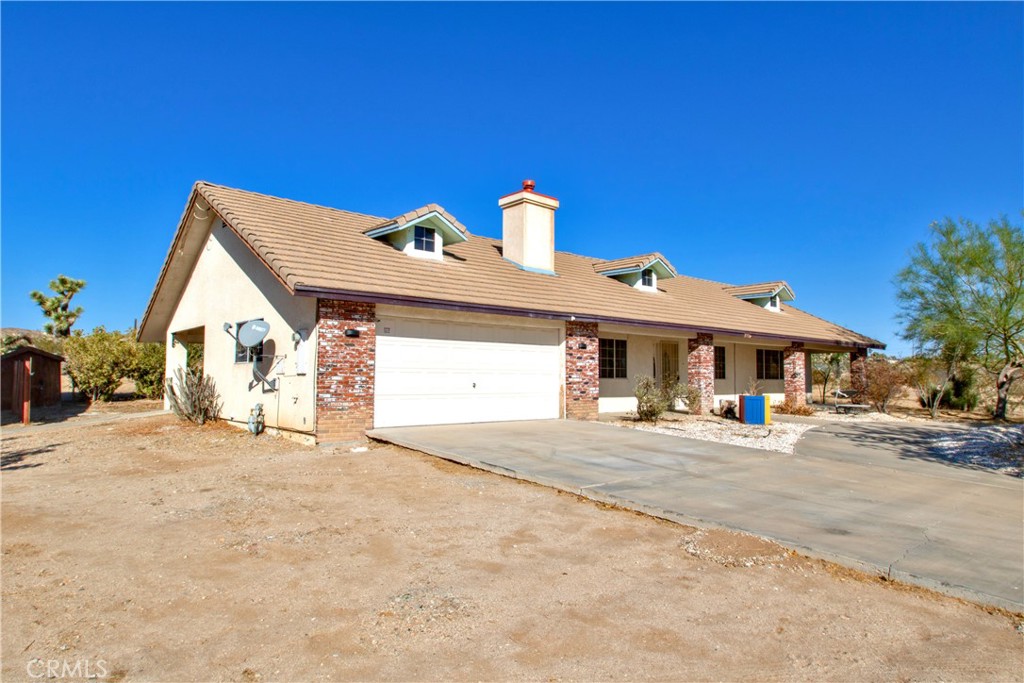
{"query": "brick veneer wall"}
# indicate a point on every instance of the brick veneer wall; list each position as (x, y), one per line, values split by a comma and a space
(344, 370)
(794, 369)
(582, 370)
(858, 378)
(700, 371)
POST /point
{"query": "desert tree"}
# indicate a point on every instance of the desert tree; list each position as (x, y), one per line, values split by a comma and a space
(961, 297)
(58, 307)
(826, 368)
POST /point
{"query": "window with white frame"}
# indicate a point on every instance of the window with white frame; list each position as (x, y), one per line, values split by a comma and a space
(647, 278)
(424, 239)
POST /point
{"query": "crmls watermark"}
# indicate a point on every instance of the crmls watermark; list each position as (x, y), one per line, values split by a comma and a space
(63, 668)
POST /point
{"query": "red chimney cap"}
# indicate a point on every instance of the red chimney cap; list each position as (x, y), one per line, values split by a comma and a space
(528, 185)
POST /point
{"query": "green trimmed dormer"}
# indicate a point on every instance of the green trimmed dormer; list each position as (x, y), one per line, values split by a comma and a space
(767, 295)
(640, 272)
(422, 233)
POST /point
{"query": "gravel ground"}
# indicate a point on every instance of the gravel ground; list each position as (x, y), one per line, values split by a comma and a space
(998, 447)
(780, 437)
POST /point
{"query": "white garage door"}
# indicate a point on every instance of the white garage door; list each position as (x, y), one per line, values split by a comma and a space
(442, 373)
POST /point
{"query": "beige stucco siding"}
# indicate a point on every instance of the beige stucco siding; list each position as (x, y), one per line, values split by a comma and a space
(740, 369)
(643, 358)
(229, 285)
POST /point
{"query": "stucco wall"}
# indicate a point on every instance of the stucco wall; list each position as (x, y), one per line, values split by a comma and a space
(740, 368)
(642, 358)
(230, 285)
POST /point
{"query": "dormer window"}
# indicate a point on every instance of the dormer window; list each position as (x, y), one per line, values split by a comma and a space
(767, 295)
(424, 239)
(639, 272)
(423, 233)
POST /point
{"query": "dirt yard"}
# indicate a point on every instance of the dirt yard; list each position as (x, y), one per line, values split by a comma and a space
(151, 550)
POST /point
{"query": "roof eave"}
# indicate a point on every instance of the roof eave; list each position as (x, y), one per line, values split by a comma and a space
(425, 302)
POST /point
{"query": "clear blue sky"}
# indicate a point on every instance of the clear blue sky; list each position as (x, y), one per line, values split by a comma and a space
(811, 142)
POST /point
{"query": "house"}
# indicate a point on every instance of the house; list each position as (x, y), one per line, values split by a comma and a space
(413, 320)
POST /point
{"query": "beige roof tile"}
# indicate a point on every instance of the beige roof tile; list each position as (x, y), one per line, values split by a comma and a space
(758, 288)
(638, 262)
(319, 250)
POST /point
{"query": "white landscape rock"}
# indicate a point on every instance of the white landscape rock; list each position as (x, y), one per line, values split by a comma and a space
(778, 437)
(995, 447)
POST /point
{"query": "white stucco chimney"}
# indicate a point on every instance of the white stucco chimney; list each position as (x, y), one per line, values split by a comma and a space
(528, 228)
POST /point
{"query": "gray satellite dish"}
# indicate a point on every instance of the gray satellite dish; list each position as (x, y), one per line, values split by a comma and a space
(253, 332)
(250, 335)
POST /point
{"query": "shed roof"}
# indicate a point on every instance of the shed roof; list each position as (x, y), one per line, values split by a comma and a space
(33, 350)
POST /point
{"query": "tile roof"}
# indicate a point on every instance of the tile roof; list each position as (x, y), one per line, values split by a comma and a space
(399, 221)
(633, 263)
(316, 250)
(762, 288)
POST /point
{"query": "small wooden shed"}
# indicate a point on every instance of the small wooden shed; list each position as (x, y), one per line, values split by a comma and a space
(29, 377)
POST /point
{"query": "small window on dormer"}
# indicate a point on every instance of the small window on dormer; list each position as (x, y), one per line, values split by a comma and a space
(424, 239)
(647, 278)
(774, 301)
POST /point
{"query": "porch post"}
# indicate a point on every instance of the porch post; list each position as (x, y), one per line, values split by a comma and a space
(700, 371)
(858, 378)
(582, 370)
(794, 372)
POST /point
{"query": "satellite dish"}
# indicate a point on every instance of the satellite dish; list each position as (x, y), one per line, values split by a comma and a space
(252, 333)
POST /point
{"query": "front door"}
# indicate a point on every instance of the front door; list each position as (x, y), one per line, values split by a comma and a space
(668, 368)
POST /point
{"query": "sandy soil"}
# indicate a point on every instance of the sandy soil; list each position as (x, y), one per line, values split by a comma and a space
(171, 552)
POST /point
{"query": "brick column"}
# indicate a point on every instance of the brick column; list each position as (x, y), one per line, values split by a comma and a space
(582, 370)
(858, 379)
(794, 373)
(344, 370)
(700, 371)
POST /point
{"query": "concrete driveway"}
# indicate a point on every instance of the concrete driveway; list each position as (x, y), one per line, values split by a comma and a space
(859, 494)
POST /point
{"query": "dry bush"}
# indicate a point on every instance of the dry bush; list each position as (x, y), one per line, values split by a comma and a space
(789, 407)
(885, 380)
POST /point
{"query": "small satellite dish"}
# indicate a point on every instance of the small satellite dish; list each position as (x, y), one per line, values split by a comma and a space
(253, 332)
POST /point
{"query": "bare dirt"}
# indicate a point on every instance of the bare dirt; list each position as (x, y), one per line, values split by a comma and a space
(172, 552)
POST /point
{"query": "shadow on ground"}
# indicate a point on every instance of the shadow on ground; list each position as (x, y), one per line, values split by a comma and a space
(907, 442)
(15, 459)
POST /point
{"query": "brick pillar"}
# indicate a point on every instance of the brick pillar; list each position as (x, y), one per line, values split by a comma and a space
(582, 370)
(700, 371)
(794, 373)
(858, 379)
(344, 370)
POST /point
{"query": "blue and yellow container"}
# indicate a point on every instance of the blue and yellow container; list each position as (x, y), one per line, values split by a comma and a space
(755, 410)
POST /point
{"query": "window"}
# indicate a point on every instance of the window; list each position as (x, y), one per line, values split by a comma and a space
(769, 364)
(243, 354)
(612, 358)
(647, 278)
(719, 362)
(774, 301)
(424, 239)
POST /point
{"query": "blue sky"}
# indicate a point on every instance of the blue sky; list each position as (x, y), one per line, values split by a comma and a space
(811, 142)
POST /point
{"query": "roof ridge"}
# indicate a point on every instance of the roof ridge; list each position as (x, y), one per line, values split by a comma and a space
(206, 183)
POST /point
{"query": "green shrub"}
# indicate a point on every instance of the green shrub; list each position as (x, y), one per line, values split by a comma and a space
(97, 362)
(653, 399)
(148, 369)
(193, 396)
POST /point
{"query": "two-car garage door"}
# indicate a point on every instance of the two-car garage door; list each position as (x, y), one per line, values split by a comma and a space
(434, 372)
